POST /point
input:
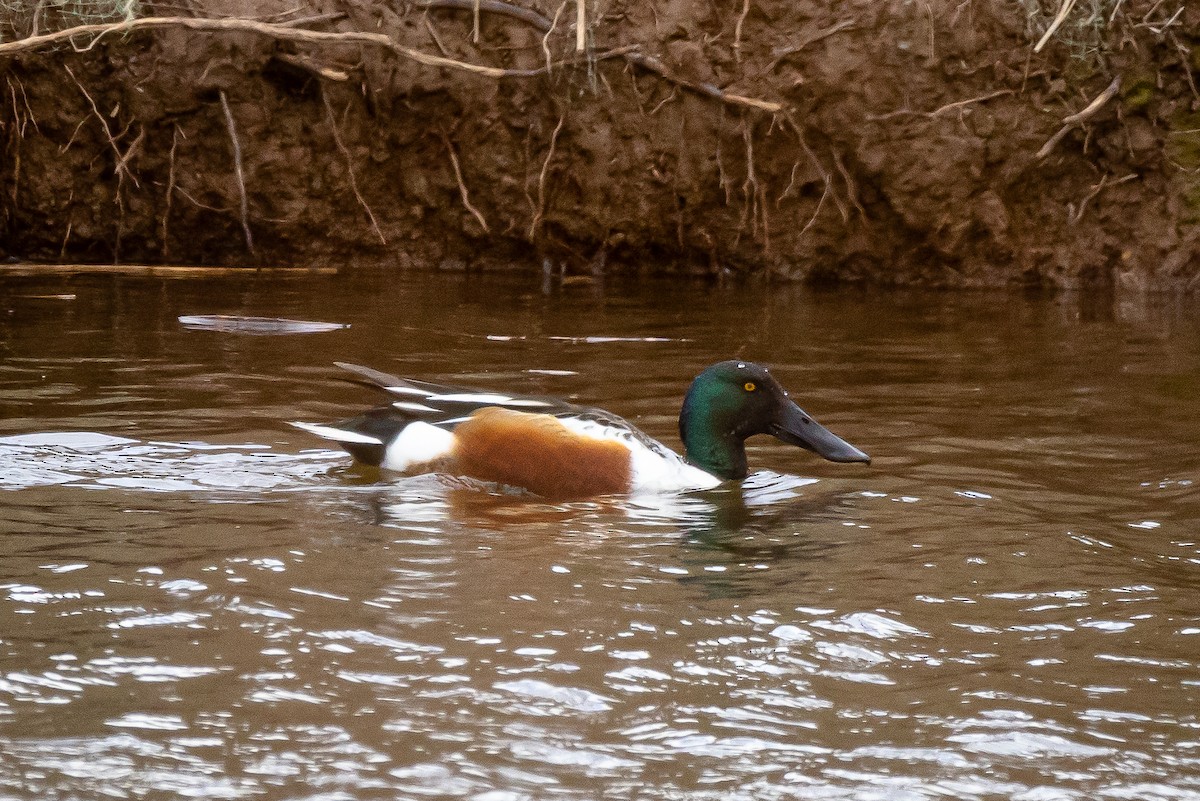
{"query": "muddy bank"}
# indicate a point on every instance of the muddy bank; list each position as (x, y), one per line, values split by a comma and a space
(886, 142)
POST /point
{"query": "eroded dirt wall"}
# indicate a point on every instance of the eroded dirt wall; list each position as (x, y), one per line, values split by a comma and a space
(887, 142)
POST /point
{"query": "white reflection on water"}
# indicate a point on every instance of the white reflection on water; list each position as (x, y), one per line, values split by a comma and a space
(100, 460)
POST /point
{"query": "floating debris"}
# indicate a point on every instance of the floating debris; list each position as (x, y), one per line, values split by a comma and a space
(260, 326)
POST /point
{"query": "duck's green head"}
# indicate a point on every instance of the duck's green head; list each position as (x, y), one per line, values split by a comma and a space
(733, 400)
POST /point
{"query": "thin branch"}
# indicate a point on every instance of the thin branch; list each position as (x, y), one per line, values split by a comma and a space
(341, 146)
(243, 200)
(462, 187)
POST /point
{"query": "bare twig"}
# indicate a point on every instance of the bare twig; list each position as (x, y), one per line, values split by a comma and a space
(462, 187)
(1071, 121)
(475, 21)
(1059, 19)
(236, 145)
(541, 207)
(341, 146)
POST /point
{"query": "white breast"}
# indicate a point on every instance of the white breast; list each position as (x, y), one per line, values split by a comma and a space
(419, 443)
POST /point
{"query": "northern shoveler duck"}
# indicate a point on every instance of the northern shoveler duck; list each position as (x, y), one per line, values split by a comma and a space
(559, 450)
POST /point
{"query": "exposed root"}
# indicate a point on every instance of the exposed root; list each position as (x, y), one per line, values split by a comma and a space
(120, 165)
(707, 89)
(15, 138)
(341, 146)
(123, 163)
(526, 15)
(674, 94)
(1184, 61)
(286, 33)
(581, 28)
(642, 60)
(546, 38)
(816, 162)
(536, 223)
(236, 145)
(119, 157)
(936, 112)
(816, 212)
(168, 200)
(433, 34)
(737, 31)
(780, 53)
(1075, 215)
(755, 193)
(851, 189)
(462, 187)
(1081, 117)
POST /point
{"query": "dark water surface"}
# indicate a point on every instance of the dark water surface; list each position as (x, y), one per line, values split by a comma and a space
(197, 601)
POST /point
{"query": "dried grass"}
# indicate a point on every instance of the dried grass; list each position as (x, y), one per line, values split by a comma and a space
(21, 18)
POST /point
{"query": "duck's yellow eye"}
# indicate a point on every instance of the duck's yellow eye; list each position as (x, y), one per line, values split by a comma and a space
(749, 386)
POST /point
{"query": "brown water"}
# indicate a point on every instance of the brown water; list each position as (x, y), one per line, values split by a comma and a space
(197, 601)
